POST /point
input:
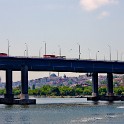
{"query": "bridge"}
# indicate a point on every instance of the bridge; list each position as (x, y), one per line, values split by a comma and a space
(24, 65)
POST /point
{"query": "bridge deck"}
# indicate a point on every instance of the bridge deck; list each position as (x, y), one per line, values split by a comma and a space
(61, 65)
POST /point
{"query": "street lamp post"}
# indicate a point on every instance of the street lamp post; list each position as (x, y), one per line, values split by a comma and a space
(121, 56)
(59, 55)
(24, 52)
(59, 50)
(70, 53)
(79, 51)
(104, 57)
(109, 51)
(26, 49)
(89, 53)
(117, 55)
(8, 46)
(40, 52)
(45, 46)
(96, 54)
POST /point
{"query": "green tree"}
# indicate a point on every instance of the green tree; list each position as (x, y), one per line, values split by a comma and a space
(35, 91)
(65, 90)
(30, 92)
(33, 87)
(102, 91)
(2, 91)
(46, 90)
(16, 92)
(55, 91)
(87, 92)
(118, 90)
(78, 91)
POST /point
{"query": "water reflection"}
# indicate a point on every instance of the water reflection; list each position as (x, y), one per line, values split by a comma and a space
(8, 106)
(8, 118)
(15, 114)
(25, 106)
(63, 111)
(24, 117)
(95, 102)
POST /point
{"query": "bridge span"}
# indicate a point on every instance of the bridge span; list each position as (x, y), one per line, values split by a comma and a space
(24, 65)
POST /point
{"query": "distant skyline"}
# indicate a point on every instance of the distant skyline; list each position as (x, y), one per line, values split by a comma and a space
(95, 25)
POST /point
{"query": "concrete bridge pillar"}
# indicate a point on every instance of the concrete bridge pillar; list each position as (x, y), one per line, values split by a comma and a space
(24, 82)
(9, 94)
(110, 84)
(95, 84)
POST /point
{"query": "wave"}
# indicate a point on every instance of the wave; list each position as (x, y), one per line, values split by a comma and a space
(120, 107)
(86, 119)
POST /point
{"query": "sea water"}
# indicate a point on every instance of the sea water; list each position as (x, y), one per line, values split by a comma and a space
(63, 111)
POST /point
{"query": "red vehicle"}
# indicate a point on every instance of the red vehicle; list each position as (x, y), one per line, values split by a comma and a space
(49, 56)
(3, 54)
(54, 56)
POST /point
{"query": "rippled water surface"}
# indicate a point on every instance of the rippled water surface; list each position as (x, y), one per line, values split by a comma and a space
(63, 111)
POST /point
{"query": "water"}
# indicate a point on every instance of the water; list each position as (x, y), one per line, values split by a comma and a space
(63, 111)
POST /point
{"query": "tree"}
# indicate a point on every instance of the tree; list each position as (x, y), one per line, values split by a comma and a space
(33, 87)
(118, 90)
(87, 92)
(55, 91)
(46, 90)
(78, 91)
(2, 91)
(30, 92)
(16, 91)
(102, 90)
(65, 90)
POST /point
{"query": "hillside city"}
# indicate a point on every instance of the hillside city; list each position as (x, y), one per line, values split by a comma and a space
(54, 80)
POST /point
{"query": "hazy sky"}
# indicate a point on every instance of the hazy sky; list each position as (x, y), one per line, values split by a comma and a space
(97, 25)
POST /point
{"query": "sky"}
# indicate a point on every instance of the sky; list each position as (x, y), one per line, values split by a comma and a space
(96, 25)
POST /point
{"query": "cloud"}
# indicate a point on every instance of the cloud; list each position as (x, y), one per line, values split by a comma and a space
(91, 5)
(103, 15)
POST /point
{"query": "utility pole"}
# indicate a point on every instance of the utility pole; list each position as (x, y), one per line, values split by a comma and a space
(45, 46)
(109, 51)
(79, 50)
(26, 49)
(8, 46)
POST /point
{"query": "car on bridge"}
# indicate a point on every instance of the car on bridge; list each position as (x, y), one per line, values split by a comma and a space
(54, 56)
(3, 54)
(49, 56)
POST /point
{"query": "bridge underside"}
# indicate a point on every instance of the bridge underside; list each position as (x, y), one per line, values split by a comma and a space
(24, 65)
(110, 94)
(9, 96)
(24, 98)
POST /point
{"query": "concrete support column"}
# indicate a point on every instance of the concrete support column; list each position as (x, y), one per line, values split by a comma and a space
(95, 84)
(110, 84)
(9, 94)
(24, 82)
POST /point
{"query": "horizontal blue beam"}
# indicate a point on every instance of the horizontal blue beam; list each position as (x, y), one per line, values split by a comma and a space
(61, 65)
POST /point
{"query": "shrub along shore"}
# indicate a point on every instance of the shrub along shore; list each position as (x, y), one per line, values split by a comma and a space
(61, 91)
